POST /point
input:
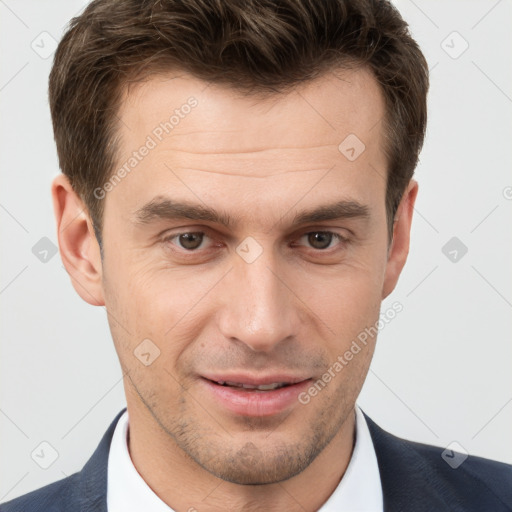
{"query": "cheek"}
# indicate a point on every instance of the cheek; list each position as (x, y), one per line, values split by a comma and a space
(350, 308)
(346, 298)
(348, 312)
(161, 304)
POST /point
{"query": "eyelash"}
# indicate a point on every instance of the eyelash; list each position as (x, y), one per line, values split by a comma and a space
(341, 240)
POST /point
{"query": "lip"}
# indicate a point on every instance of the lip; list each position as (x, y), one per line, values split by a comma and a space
(254, 380)
(254, 402)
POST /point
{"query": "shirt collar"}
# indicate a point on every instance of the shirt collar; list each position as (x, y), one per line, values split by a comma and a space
(359, 490)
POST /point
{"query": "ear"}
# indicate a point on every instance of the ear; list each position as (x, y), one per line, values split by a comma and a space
(399, 249)
(79, 249)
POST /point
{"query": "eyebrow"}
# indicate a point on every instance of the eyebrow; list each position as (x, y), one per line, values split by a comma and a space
(162, 208)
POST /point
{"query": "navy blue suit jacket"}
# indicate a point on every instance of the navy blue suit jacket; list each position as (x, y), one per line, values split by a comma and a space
(414, 479)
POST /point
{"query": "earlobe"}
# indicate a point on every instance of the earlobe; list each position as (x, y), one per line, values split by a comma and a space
(401, 236)
(79, 248)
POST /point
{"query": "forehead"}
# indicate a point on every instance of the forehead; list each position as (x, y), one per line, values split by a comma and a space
(315, 113)
(210, 141)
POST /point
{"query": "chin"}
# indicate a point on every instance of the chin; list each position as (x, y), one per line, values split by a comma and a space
(258, 471)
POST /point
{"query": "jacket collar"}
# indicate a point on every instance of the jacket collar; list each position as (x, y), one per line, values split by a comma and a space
(92, 487)
(406, 476)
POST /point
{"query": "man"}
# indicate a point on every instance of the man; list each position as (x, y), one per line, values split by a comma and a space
(237, 191)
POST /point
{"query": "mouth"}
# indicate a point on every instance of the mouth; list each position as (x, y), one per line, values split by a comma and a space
(253, 387)
(255, 396)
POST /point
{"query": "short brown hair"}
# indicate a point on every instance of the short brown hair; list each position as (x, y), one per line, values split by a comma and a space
(254, 45)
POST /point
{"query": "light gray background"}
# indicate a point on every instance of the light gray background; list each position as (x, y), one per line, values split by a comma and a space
(442, 369)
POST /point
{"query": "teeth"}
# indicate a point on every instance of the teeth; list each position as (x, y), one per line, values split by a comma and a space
(262, 387)
(265, 387)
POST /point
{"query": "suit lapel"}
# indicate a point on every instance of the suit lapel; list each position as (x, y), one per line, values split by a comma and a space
(91, 491)
(408, 482)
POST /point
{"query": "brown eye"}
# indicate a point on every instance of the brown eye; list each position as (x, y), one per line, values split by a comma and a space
(190, 241)
(320, 239)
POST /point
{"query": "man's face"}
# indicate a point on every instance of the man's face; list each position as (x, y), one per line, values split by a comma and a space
(271, 296)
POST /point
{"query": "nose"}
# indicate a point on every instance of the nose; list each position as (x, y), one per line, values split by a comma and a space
(259, 309)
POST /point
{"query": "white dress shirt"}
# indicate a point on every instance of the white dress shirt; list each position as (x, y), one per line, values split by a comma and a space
(359, 490)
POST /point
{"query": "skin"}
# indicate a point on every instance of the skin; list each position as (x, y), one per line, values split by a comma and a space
(295, 309)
